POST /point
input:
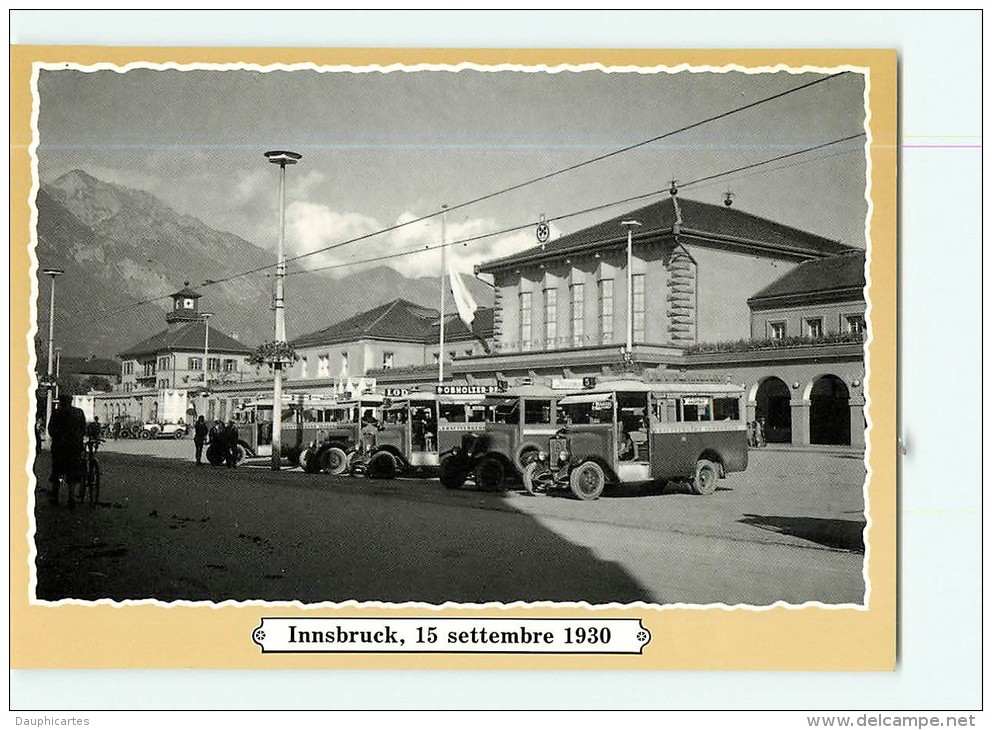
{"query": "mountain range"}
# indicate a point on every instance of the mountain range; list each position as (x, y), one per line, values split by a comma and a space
(124, 251)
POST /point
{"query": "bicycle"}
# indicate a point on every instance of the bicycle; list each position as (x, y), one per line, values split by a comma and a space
(89, 488)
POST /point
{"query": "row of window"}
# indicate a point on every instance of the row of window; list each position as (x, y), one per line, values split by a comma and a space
(388, 362)
(214, 365)
(813, 327)
(577, 301)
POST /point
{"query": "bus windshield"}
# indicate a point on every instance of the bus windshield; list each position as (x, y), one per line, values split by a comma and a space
(597, 411)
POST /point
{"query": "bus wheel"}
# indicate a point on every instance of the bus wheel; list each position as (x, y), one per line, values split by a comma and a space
(704, 481)
(490, 474)
(587, 481)
(452, 473)
(334, 460)
(381, 466)
(537, 478)
(525, 454)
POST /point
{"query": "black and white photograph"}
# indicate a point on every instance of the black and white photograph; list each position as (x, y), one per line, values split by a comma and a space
(434, 335)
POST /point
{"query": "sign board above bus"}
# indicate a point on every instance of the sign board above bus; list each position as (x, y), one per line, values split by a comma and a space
(464, 389)
(567, 383)
(395, 392)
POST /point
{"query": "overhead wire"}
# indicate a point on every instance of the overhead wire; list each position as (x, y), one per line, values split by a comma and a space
(531, 181)
(551, 219)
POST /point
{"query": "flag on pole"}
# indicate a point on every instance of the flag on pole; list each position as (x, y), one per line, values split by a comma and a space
(464, 301)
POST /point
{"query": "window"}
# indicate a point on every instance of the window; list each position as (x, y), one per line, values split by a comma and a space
(638, 282)
(387, 360)
(163, 383)
(194, 363)
(303, 367)
(344, 365)
(324, 366)
(537, 411)
(813, 328)
(230, 366)
(525, 322)
(606, 310)
(163, 363)
(129, 367)
(578, 314)
(213, 364)
(726, 409)
(149, 369)
(550, 317)
(854, 323)
(187, 303)
(694, 409)
(776, 330)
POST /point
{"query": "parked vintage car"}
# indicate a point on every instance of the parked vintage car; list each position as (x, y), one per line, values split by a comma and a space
(630, 431)
(152, 430)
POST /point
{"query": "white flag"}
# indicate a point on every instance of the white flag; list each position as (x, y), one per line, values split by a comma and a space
(463, 297)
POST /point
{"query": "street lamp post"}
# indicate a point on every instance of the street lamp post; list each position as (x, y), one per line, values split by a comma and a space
(281, 158)
(630, 225)
(206, 350)
(51, 343)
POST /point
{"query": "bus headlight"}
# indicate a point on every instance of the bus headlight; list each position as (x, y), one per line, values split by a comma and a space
(542, 455)
(563, 456)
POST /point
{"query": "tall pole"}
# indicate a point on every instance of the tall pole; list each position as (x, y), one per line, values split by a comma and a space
(444, 290)
(629, 225)
(51, 344)
(206, 353)
(58, 369)
(281, 158)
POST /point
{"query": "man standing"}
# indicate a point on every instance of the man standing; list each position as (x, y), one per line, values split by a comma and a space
(67, 429)
(231, 441)
(199, 437)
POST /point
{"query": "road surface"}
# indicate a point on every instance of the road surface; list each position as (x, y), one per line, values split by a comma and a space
(788, 529)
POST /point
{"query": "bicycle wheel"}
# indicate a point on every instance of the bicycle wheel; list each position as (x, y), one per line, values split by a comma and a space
(94, 484)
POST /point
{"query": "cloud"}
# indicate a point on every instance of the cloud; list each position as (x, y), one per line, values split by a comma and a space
(314, 226)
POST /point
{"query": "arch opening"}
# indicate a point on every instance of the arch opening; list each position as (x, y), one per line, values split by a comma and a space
(772, 403)
(829, 412)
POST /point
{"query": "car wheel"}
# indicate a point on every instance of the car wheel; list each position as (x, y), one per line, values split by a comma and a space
(490, 474)
(587, 481)
(705, 479)
(179, 434)
(146, 434)
(452, 473)
(381, 466)
(334, 460)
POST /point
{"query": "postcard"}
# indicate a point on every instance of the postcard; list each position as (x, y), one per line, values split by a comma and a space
(476, 359)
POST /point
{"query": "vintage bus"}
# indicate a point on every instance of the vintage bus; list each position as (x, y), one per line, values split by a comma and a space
(309, 424)
(630, 431)
(416, 429)
(519, 421)
(333, 433)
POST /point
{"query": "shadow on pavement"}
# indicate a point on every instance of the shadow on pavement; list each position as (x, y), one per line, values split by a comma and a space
(176, 531)
(833, 533)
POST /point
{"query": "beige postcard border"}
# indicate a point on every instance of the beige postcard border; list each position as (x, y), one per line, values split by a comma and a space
(711, 637)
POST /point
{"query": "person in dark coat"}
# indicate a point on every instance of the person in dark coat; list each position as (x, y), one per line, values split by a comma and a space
(67, 429)
(231, 442)
(217, 451)
(200, 431)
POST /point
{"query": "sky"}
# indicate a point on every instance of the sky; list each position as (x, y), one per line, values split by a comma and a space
(384, 148)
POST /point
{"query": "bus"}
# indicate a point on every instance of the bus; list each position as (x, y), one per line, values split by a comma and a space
(418, 428)
(519, 421)
(629, 431)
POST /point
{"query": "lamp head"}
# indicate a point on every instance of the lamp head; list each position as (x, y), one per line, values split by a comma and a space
(283, 157)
